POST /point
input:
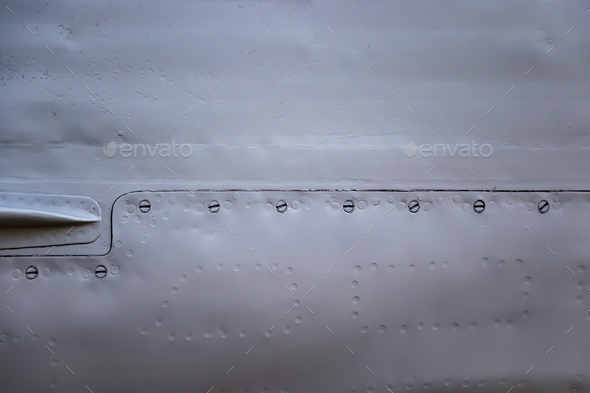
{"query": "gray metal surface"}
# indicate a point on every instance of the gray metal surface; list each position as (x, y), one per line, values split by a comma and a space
(273, 94)
(179, 103)
(311, 299)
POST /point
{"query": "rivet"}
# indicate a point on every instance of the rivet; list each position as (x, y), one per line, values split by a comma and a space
(414, 206)
(213, 206)
(144, 206)
(281, 206)
(348, 206)
(479, 206)
(543, 206)
(100, 271)
(31, 272)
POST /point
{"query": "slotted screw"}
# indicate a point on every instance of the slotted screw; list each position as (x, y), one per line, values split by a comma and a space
(348, 206)
(281, 206)
(543, 206)
(31, 272)
(100, 271)
(213, 207)
(144, 206)
(479, 206)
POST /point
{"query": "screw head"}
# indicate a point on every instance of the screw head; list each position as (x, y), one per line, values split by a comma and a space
(31, 272)
(479, 206)
(543, 206)
(348, 206)
(213, 206)
(281, 206)
(144, 206)
(414, 206)
(100, 271)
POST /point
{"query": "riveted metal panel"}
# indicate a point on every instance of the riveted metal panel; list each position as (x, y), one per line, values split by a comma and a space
(312, 298)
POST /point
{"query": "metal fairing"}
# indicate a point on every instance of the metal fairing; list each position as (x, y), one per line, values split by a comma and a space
(33, 220)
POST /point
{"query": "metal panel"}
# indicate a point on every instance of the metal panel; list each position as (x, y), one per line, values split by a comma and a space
(312, 298)
(273, 93)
